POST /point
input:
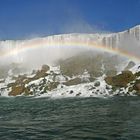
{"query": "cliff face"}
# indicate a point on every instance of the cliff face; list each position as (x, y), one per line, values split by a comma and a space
(113, 40)
(109, 40)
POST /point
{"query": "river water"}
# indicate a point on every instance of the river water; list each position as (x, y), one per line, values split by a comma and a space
(28, 118)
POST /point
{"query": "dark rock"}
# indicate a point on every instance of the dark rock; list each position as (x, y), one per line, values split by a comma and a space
(120, 80)
(97, 84)
(76, 65)
(39, 74)
(17, 90)
(130, 89)
(137, 86)
(137, 74)
(45, 68)
(71, 91)
(75, 81)
(50, 86)
(130, 65)
(27, 92)
(92, 79)
(78, 94)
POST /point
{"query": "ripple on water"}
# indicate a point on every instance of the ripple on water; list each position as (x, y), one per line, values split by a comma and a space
(70, 118)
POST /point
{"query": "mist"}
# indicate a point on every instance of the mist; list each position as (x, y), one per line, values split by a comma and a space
(34, 58)
(39, 54)
(130, 44)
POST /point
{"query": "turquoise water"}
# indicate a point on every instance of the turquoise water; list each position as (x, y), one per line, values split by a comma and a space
(27, 118)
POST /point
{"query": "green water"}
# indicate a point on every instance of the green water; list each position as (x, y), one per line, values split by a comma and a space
(29, 118)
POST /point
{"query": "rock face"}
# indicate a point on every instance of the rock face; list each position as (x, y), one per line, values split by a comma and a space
(19, 86)
(120, 80)
(77, 65)
(113, 40)
(137, 86)
(52, 85)
(52, 81)
(130, 65)
(45, 68)
(72, 69)
(96, 65)
(74, 81)
(16, 90)
(19, 90)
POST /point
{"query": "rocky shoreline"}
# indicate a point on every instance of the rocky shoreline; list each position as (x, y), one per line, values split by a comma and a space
(50, 81)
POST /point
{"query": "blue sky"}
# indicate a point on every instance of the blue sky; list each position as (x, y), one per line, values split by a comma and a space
(21, 19)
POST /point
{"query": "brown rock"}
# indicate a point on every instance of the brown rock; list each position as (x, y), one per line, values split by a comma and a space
(75, 81)
(50, 86)
(40, 74)
(120, 80)
(137, 86)
(45, 68)
(17, 90)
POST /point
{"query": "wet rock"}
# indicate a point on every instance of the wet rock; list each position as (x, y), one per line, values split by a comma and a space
(50, 86)
(17, 90)
(130, 89)
(137, 74)
(76, 65)
(45, 68)
(39, 74)
(97, 84)
(74, 81)
(130, 65)
(120, 80)
(33, 72)
(92, 79)
(71, 91)
(78, 94)
(107, 87)
(92, 88)
(63, 94)
(27, 92)
(97, 90)
(137, 86)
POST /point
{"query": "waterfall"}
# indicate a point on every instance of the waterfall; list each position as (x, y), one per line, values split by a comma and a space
(111, 40)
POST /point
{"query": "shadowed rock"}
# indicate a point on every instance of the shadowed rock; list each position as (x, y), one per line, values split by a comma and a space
(120, 80)
(74, 81)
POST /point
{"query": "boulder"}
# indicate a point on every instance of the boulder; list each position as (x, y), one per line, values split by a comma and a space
(137, 74)
(27, 92)
(129, 65)
(76, 65)
(97, 84)
(45, 68)
(74, 81)
(16, 90)
(50, 86)
(136, 86)
(39, 74)
(120, 80)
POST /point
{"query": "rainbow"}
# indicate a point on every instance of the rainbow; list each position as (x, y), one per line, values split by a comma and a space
(40, 43)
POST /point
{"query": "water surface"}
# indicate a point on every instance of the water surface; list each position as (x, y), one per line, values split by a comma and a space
(27, 118)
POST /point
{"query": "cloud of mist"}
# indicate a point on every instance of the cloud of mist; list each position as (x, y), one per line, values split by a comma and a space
(81, 26)
(36, 57)
(129, 44)
(33, 58)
